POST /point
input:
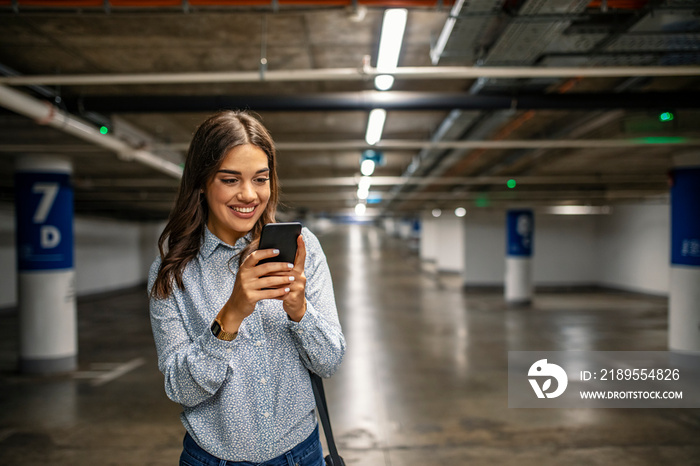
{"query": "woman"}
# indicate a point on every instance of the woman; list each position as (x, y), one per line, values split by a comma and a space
(235, 339)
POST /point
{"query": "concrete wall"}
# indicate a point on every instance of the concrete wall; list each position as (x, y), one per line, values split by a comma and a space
(109, 255)
(565, 246)
(634, 248)
(561, 252)
(628, 249)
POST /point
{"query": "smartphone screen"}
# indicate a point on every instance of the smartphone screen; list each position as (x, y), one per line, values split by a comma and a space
(282, 236)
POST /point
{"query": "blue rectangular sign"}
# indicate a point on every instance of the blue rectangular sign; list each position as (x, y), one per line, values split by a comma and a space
(44, 221)
(685, 217)
(520, 225)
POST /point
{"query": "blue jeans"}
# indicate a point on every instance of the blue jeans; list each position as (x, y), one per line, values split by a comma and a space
(307, 453)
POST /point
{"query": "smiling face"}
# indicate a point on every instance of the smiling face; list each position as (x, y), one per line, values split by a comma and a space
(238, 193)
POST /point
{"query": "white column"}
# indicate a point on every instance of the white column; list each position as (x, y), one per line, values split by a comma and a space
(405, 229)
(428, 237)
(46, 274)
(518, 276)
(389, 225)
(684, 295)
(450, 243)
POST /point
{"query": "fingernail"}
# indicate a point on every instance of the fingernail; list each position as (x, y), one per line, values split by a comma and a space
(275, 251)
(286, 290)
(291, 279)
(291, 266)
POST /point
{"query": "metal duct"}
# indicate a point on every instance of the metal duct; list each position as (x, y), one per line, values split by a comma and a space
(392, 100)
(349, 74)
(47, 114)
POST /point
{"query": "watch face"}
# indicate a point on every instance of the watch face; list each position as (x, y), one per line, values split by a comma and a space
(215, 328)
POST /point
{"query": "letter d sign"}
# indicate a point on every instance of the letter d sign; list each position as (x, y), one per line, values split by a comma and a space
(50, 237)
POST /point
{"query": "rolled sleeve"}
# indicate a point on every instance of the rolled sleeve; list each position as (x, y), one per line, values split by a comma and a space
(318, 335)
(194, 370)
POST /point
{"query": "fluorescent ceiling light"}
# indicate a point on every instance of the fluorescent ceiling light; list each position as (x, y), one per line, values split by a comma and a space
(383, 82)
(579, 210)
(360, 209)
(375, 126)
(367, 167)
(393, 27)
(365, 182)
(390, 42)
(362, 194)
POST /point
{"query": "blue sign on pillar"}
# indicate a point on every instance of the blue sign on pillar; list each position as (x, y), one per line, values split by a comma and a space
(44, 221)
(685, 217)
(520, 225)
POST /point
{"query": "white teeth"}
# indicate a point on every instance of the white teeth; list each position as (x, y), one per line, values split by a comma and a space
(244, 210)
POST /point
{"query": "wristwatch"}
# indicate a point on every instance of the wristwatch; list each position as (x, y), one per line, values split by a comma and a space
(220, 333)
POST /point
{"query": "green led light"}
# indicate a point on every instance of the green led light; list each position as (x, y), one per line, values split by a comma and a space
(511, 183)
(660, 140)
(104, 130)
(666, 116)
(482, 201)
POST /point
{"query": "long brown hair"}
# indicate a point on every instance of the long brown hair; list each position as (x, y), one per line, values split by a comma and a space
(185, 229)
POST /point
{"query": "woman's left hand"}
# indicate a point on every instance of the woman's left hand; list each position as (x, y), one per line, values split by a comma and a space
(294, 301)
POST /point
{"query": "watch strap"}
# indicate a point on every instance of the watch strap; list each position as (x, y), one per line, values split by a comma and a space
(218, 331)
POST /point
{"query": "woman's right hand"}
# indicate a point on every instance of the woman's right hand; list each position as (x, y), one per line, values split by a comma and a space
(254, 283)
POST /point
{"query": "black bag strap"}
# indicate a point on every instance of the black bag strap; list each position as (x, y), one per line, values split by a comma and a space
(320, 395)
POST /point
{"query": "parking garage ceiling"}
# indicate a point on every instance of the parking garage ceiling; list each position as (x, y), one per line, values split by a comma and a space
(564, 97)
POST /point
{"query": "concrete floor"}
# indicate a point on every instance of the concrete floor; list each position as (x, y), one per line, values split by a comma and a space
(423, 383)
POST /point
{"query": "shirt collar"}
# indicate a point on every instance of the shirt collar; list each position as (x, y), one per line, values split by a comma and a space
(211, 242)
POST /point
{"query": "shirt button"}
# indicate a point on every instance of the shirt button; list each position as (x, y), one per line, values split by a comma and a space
(258, 343)
(266, 414)
(263, 381)
(228, 350)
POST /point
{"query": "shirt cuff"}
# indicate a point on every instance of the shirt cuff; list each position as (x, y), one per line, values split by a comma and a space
(219, 349)
(307, 323)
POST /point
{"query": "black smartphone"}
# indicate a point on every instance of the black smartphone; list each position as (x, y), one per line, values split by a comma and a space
(282, 236)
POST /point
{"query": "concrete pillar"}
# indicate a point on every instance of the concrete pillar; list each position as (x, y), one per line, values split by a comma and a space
(449, 255)
(428, 237)
(404, 228)
(684, 295)
(46, 276)
(520, 225)
(390, 226)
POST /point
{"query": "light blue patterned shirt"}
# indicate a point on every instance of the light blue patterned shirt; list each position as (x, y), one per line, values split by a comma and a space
(249, 399)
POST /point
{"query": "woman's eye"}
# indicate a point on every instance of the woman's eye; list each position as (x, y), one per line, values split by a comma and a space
(229, 181)
(262, 180)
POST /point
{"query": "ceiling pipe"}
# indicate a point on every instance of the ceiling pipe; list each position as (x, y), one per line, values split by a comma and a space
(44, 113)
(389, 100)
(407, 144)
(397, 144)
(477, 181)
(547, 196)
(352, 74)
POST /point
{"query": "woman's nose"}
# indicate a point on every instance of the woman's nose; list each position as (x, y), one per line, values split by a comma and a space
(247, 192)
